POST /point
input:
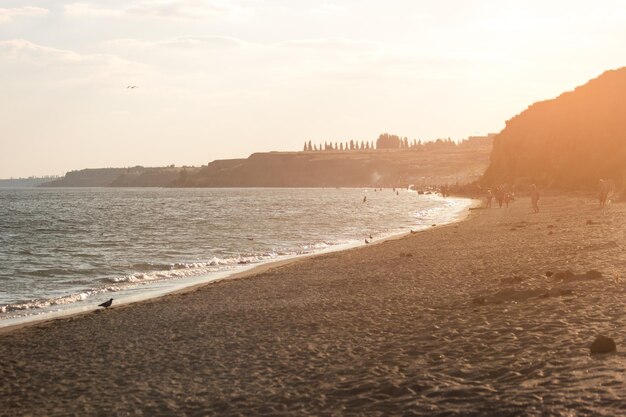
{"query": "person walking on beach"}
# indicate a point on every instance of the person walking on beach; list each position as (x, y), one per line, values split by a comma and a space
(534, 198)
(500, 195)
(605, 189)
(489, 198)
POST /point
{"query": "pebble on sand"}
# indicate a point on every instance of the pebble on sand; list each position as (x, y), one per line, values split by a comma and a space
(603, 344)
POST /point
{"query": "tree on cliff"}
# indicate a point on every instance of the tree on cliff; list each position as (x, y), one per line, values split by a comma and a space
(387, 141)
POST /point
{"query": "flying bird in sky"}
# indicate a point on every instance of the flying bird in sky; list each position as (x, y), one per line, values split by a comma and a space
(131, 86)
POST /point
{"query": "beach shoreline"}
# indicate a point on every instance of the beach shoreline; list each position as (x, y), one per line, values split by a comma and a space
(460, 320)
(255, 269)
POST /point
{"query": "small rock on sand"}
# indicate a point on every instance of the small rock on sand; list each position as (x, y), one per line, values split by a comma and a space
(603, 344)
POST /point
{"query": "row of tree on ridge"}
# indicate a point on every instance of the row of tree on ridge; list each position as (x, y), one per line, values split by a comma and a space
(384, 141)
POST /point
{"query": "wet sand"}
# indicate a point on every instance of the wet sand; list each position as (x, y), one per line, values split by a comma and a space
(458, 320)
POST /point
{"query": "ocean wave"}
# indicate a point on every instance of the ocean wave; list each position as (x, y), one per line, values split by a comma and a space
(43, 303)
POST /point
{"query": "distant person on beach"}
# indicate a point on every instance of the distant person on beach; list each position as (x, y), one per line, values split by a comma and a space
(489, 198)
(534, 198)
(500, 195)
(364, 199)
(605, 189)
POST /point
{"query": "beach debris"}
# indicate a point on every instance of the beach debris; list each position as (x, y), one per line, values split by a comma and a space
(589, 222)
(106, 304)
(367, 241)
(413, 232)
(603, 344)
(406, 255)
(549, 274)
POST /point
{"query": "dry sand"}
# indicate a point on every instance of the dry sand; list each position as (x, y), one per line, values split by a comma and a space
(422, 325)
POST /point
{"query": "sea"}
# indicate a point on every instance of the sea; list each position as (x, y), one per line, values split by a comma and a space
(65, 250)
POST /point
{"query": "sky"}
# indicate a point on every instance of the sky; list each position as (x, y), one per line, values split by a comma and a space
(222, 79)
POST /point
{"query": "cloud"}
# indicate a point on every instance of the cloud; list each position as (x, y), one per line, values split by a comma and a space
(6, 15)
(161, 9)
(178, 42)
(329, 10)
(22, 50)
(181, 9)
(90, 10)
(29, 62)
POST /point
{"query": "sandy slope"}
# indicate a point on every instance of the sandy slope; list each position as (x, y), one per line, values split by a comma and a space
(417, 326)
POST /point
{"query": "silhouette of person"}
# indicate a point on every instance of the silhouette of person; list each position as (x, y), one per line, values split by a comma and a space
(605, 189)
(500, 195)
(534, 198)
(508, 197)
(489, 198)
(364, 199)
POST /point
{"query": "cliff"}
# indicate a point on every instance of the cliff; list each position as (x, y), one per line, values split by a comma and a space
(569, 142)
(428, 165)
(346, 169)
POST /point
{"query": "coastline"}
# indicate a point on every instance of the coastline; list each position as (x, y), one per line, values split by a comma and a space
(460, 320)
(201, 281)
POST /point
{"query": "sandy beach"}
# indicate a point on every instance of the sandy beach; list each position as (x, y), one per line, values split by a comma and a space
(457, 320)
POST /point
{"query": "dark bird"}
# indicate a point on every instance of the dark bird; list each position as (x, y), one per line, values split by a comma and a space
(371, 237)
(367, 241)
(131, 86)
(106, 304)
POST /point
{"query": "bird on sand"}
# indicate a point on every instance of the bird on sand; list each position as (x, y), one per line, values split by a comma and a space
(106, 304)
(366, 241)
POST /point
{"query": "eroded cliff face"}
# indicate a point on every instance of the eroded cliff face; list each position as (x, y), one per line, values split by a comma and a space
(569, 142)
(341, 169)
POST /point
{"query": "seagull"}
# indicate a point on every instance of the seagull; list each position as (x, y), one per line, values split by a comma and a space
(106, 304)
(131, 86)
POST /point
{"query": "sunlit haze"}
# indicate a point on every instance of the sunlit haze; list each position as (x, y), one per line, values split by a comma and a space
(223, 79)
